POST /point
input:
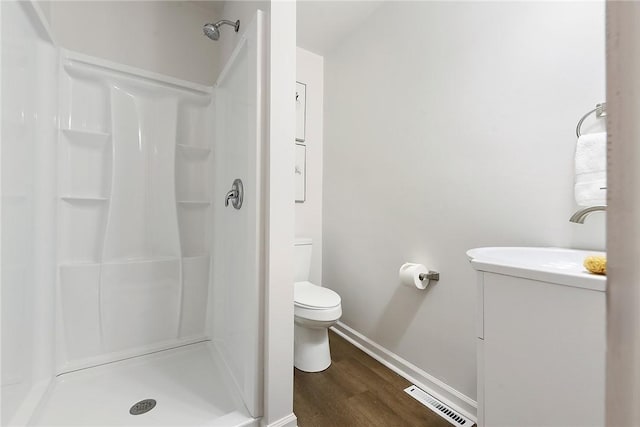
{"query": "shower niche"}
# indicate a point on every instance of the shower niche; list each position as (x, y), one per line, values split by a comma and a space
(134, 212)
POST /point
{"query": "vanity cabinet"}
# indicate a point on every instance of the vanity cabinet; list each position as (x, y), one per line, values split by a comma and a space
(540, 350)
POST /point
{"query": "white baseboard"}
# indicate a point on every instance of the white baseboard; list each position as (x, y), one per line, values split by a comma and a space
(448, 395)
(289, 421)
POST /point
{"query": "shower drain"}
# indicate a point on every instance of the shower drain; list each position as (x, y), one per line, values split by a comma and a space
(142, 407)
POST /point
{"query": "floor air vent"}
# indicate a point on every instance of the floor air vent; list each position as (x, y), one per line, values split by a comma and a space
(438, 407)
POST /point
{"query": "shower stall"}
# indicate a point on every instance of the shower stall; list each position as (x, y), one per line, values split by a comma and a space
(130, 294)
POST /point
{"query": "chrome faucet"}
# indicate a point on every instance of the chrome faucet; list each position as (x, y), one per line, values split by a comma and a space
(582, 214)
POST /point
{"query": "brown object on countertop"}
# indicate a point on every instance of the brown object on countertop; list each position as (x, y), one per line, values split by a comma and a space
(596, 264)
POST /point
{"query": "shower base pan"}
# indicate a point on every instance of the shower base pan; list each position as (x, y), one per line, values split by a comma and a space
(189, 384)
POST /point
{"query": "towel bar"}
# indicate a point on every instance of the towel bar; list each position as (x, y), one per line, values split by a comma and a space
(600, 110)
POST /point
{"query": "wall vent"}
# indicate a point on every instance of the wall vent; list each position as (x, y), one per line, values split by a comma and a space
(438, 407)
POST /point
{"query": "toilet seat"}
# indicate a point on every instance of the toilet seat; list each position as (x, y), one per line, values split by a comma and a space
(314, 297)
(315, 306)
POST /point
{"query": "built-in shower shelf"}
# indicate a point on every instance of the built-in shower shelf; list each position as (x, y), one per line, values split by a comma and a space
(140, 260)
(195, 202)
(195, 256)
(90, 136)
(81, 199)
(14, 198)
(72, 264)
(193, 150)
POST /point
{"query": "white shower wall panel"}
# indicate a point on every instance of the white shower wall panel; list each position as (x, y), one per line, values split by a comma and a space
(236, 315)
(134, 161)
(27, 153)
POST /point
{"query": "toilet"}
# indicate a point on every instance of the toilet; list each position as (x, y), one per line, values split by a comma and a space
(315, 309)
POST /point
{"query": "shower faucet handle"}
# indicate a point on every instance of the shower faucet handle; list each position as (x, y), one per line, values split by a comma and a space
(236, 194)
(233, 194)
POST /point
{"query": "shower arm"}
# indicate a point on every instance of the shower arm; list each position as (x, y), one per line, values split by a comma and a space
(235, 25)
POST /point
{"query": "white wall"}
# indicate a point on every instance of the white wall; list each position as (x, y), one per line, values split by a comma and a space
(324, 24)
(310, 70)
(168, 34)
(280, 216)
(451, 129)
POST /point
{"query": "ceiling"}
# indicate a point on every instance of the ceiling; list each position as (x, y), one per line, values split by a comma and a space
(322, 24)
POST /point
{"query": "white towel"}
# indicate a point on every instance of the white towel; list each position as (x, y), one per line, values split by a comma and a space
(591, 169)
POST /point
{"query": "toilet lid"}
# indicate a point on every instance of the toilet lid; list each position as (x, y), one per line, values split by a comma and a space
(306, 294)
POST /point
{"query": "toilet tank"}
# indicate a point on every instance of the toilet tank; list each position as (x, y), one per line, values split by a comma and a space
(301, 259)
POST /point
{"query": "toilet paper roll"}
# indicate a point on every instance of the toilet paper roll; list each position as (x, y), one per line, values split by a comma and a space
(410, 275)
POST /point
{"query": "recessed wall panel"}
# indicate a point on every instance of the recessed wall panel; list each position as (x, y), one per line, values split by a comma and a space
(195, 275)
(194, 219)
(80, 302)
(142, 221)
(140, 303)
(86, 104)
(192, 125)
(84, 159)
(82, 222)
(192, 173)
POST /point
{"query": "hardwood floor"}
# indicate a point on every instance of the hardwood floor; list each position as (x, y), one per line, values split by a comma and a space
(357, 391)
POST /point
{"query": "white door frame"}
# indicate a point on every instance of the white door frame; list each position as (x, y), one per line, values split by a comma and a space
(623, 218)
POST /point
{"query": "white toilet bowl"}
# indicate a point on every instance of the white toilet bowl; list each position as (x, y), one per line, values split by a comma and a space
(315, 310)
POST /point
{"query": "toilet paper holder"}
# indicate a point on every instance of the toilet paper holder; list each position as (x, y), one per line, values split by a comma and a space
(431, 275)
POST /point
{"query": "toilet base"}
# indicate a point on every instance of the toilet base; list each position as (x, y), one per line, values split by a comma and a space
(311, 348)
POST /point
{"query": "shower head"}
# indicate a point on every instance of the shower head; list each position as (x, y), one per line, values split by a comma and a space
(213, 30)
